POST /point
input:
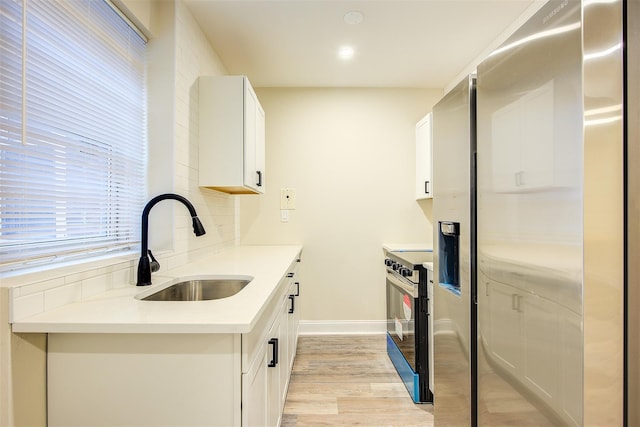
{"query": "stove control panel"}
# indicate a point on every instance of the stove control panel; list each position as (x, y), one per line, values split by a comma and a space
(398, 269)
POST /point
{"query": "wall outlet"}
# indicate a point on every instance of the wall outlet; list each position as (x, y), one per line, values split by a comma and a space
(287, 198)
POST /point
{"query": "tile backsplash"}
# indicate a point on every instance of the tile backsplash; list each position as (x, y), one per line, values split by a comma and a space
(37, 292)
(41, 291)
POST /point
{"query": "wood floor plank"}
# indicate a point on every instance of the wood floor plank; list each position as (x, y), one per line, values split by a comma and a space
(346, 381)
(373, 420)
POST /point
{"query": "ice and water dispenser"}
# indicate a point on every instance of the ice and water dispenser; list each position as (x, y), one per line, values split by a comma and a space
(449, 256)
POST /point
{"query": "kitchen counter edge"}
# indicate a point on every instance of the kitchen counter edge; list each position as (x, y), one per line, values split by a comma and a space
(118, 311)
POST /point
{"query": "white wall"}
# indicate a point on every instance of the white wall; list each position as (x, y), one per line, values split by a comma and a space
(22, 373)
(350, 155)
(178, 54)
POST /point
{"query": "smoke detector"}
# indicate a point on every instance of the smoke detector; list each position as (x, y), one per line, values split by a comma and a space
(353, 17)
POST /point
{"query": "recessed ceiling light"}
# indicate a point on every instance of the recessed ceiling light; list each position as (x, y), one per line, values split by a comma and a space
(346, 52)
(353, 17)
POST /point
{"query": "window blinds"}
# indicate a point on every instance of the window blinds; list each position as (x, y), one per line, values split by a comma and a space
(72, 130)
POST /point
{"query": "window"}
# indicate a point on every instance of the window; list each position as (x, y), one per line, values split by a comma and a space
(72, 131)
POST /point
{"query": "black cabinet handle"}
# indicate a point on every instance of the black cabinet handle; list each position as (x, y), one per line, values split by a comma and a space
(259, 184)
(274, 352)
(426, 187)
(290, 274)
(293, 300)
(297, 289)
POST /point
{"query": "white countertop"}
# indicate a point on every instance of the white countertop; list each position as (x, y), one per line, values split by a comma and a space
(118, 311)
(552, 271)
(407, 247)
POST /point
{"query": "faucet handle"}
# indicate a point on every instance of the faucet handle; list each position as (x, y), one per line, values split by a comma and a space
(155, 265)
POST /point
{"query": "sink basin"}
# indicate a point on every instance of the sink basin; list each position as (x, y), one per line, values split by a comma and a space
(200, 289)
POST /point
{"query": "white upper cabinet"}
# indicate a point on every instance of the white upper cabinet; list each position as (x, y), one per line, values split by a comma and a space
(531, 151)
(232, 136)
(424, 180)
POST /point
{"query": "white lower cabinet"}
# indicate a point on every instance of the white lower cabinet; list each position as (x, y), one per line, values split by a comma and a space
(271, 352)
(293, 320)
(176, 379)
(261, 385)
(254, 394)
(273, 390)
(505, 326)
(536, 342)
(143, 380)
(277, 373)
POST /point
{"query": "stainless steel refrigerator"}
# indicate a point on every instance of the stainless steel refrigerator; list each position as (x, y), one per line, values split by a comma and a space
(453, 134)
(632, 201)
(529, 226)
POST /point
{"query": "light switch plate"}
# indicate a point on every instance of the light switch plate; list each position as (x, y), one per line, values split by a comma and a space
(284, 215)
(287, 198)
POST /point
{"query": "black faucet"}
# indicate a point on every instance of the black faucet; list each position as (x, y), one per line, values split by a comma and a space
(144, 266)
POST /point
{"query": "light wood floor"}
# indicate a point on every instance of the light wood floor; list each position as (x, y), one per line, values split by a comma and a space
(349, 380)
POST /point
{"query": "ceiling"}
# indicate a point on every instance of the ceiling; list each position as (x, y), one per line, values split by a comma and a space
(399, 43)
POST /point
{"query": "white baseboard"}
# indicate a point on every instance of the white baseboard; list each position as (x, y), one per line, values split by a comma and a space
(342, 327)
(445, 326)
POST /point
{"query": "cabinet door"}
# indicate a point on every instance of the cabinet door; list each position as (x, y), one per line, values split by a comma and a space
(250, 132)
(541, 339)
(537, 153)
(274, 366)
(254, 393)
(294, 322)
(571, 367)
(254, 150)
(506, 129)
(523, 152)
(260, 148)
(539, 343)
(285, 350)
(231, 136)
(291, 312)
(424, 179)
(505, 328)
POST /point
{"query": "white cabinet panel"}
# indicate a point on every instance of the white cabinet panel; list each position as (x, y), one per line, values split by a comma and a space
(143, 380)
(526, 154)
(505, 328)
(274, 372)
(254, 394)
(231, 136)
(571, 373)
(293, 319)
(535, 342)
(541, 337)
(424, 178)
(274, 338)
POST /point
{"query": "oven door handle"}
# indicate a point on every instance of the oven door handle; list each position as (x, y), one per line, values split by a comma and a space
(409, 289)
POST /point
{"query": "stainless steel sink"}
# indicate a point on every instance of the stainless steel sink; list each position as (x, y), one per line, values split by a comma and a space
(200, 289)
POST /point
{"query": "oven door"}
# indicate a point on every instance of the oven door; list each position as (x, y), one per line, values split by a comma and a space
(401, 308)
